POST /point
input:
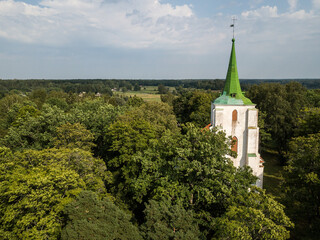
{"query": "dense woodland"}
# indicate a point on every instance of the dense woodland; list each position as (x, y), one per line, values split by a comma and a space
(107, 166)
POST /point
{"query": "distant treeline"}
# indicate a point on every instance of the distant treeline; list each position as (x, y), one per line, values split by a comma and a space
(105, 85)
(308, 83)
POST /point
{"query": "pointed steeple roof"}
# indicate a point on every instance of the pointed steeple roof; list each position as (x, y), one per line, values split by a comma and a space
(232, 94)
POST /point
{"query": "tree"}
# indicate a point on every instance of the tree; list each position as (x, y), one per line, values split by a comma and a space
(38, 96)
(74, 136)
(302, 182)
(308, 122)
(162, 89)
(36, 185)
(59, 102)
(167, 221)
(190, 169)
(255, 215)
(6, 104)
(135, 101)
(96, 116)
(281, 105)
(90, 218)
(194, 106)
(136, 87)
(31, 129)
(167, 98)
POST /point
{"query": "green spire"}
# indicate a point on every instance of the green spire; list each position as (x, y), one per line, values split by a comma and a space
(232, 93)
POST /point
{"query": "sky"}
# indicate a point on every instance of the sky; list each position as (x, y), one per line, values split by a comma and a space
(158, 39)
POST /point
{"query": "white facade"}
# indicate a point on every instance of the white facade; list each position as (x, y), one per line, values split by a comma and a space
(241, 122)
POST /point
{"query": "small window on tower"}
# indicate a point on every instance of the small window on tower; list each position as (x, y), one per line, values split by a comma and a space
(234, 146)
(234, 115)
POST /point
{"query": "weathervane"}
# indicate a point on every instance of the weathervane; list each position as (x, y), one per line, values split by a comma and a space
(232, 25)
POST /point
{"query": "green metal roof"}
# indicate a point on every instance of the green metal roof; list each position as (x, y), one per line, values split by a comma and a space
(232, 94)
(252, 155)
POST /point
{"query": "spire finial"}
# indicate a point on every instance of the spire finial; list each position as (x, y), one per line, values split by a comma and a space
(232, 25)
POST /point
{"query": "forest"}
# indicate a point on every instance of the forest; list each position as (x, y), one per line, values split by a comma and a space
(81, 160)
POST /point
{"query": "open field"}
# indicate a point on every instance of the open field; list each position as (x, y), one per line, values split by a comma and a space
(147, 93)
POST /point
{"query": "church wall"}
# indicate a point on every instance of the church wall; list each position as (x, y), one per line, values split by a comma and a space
(245, 129)
(222, 116)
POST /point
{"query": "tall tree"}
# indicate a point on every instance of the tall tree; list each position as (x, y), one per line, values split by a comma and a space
(194, 106)
(165, 220)
(90, 218)
(74, 136)
(302, 183)
(255, 215)
(132, 133)
(36, 185)
(31, 129)
(281, 105)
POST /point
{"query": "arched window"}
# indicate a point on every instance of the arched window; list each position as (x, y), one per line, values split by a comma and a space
(234, 115)
(234, 146)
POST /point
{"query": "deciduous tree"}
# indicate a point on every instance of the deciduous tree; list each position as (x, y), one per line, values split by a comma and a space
(90, 218)
(36, 185)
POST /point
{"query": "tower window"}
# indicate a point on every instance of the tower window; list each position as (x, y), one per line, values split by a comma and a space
(234, 115)
(234, 146)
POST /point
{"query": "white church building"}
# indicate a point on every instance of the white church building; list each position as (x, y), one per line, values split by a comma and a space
(237, 116)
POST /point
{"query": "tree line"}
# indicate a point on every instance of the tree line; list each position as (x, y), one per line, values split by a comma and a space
(106, 86)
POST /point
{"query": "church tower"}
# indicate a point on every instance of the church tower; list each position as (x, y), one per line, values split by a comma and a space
(237, 116)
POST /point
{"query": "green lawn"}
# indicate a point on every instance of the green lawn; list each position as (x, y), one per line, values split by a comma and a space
(145, 96)
(147, 93)
(272, 172)
(149, 89)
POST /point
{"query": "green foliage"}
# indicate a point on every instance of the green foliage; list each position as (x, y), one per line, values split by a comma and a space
(136, 87)
(132, 133)
(60, 103)
(36, 185)
(190, 169)
(314, 97)
(150, 159)
(162, 89)
(194, 106)
(96, 116)
(90, 218)
(308, 122)
(255, 215)
(167, 98)
(38, 96)
(74, 136)
(281, 105)
(33, 130)
(167, 221)
(116, 101)
(264, 135)
(302, 182)
(6, 103)
(135, 101)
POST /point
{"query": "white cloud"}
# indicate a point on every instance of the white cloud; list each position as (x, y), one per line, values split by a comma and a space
(264, 11)
(292, 4)
(276, 31)
(122, 23)
(316, 4)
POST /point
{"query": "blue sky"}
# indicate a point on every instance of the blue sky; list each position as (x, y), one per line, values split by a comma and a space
(158, 39)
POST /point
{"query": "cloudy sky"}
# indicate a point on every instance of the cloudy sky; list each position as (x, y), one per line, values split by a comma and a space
(158, 39)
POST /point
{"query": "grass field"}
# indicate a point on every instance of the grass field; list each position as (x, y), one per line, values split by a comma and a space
(272, 173)
(147, 93)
